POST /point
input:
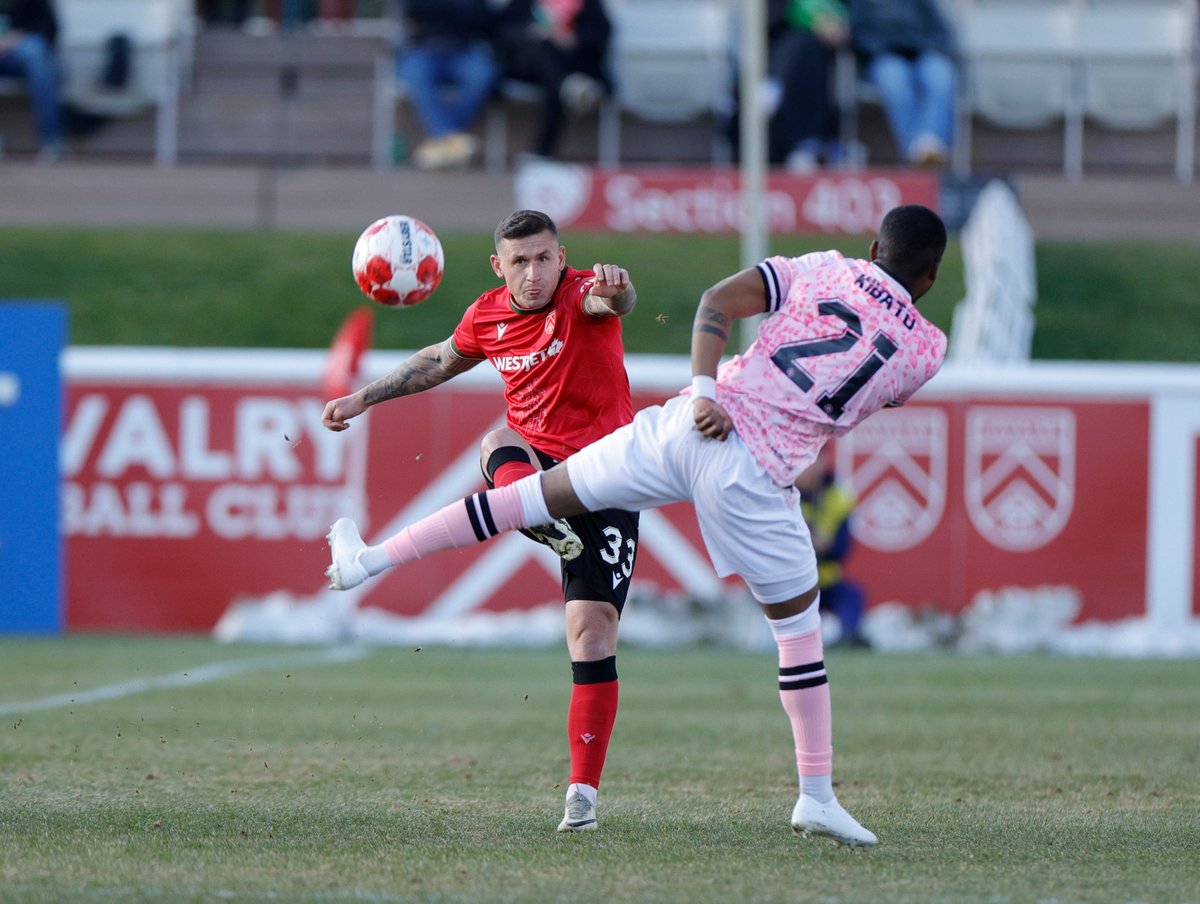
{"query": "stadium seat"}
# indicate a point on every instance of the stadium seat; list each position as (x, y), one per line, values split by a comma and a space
(1138, 70)
(1022, 68)
(389, 90)
(156, 34)
(9, 85)
(672, 61)
(512, 91)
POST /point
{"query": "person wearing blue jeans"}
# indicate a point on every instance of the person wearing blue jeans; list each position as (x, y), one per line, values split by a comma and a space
(907, 50)
(448, 68)
(28, 29)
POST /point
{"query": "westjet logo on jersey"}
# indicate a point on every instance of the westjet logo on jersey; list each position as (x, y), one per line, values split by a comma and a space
(513, 363)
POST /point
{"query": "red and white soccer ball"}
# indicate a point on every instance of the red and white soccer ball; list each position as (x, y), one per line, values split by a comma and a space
(398, 261)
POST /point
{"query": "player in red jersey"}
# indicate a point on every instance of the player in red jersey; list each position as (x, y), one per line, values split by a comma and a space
(554, 334)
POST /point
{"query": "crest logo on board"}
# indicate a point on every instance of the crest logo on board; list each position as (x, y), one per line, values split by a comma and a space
(896, 466)
(561, 190)
(1020, 474)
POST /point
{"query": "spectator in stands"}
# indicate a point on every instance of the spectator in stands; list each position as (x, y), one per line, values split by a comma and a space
(561, 46)
(907, 49)
(290, 14)
(827, 506)
(447, 64)
(234, 12)
(28, 31)
(335, 15)
(802, 36)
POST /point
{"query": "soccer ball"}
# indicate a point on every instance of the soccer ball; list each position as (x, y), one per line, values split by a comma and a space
(398, 261)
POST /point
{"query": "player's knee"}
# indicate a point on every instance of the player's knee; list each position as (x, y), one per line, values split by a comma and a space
(794, 606)
(494, 456)
(499, 438)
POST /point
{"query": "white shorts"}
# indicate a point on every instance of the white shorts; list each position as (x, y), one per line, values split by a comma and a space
(751, 526)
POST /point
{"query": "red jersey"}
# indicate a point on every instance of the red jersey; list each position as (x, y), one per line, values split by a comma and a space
(563, 369)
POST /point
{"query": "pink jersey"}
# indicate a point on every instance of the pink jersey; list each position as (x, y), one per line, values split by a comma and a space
(841, 340)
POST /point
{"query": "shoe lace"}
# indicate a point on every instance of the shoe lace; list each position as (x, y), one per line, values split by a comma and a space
(578, 807)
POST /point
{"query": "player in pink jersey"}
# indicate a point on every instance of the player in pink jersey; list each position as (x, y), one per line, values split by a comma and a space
(554, 335)
(841, 339)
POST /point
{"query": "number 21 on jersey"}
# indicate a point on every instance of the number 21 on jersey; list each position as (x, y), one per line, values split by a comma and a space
(832, 399)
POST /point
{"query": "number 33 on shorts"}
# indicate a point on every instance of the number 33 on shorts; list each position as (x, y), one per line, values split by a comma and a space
(612, 554)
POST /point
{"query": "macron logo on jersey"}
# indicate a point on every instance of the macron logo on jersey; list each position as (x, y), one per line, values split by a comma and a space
(512, 363)
(500, 328)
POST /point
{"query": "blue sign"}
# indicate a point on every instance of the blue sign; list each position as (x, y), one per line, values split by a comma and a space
(32, 336)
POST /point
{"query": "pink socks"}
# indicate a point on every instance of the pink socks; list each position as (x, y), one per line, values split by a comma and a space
(462, 523)
(804, 693)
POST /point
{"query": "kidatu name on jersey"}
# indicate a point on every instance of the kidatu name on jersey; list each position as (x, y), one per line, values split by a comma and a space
(876, 290)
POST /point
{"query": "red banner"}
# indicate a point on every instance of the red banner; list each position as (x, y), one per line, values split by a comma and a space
(964, 496)
(709, 200)
(188, 490)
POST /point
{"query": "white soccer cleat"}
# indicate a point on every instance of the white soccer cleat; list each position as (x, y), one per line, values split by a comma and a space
(809, 817)
(580, 815)
(345, 549)
(559, 536)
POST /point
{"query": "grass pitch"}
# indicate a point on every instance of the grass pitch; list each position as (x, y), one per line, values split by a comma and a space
(437, 775)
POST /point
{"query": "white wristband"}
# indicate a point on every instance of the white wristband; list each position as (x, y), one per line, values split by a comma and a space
(704, 387)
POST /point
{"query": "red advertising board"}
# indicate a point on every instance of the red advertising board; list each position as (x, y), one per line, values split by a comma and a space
(962, 496)
(681, 199)
(189, 488)
(180, 500)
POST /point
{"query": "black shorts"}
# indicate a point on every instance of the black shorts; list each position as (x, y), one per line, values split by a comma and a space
(604, 568)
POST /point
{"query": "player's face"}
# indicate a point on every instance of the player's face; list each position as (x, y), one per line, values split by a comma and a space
(530, 268)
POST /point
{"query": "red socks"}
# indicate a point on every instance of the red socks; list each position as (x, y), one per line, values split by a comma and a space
(511, 472)
(590, 718)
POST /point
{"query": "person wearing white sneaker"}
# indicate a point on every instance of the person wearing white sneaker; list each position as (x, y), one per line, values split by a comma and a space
(580, 813)
(841, 339)
(554, 334)
(813, 817)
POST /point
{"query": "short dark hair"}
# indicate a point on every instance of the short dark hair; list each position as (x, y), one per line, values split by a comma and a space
(524, 223)
(912, 239)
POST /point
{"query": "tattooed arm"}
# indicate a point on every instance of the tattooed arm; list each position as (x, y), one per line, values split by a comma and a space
(426, 369)
(738, 296)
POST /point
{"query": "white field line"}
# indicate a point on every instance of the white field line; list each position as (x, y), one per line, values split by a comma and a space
(212, 671)
(226, 894)
(127, 893)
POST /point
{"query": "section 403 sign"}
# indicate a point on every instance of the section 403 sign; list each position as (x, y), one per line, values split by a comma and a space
(710, 200)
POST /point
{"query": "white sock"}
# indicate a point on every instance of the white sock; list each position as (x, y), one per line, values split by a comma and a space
(533, 503)
(586, 790)
(802, 623)
(375, 559)
(818, 787)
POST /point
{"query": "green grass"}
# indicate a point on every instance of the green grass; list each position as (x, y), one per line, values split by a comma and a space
(436, 775)
(1133, 301)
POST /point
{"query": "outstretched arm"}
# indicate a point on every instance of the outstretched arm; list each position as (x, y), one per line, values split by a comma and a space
(733, 298)
(430, 367)
(612, 293)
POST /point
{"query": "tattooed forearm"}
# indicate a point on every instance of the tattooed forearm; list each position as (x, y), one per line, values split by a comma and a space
(422, 371)
(711, 320)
